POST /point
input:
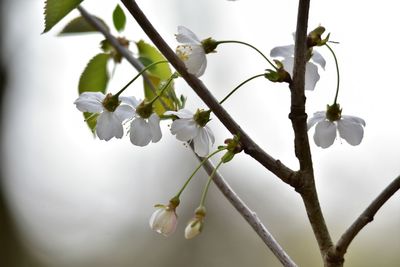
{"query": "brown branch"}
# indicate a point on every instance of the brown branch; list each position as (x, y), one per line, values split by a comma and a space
(250, 147)
(228, 192)
(306, 184)
(337, 253)
(250, 216)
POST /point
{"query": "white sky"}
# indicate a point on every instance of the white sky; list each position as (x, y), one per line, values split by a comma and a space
(63, 183)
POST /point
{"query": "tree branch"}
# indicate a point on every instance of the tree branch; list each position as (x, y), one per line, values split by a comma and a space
(250, 147)
(298, 116)
(228, 192)
(250, 216)
(366, 217)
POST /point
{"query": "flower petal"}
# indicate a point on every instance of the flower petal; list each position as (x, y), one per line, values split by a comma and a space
(130, 100)
(325, 134)
(201, 143)
(140, 133)
(90, 102)
(182, 113)
(194, 58)
(124, 112)
(186, 36)
(354, 119)
(155, 129)
(312, 76)
(164, 221)
(350, 131)
(318, 116)
(184, 129)
(109, 126)
(318, 58)
(288, 65)
(210, 134)
(282, 51)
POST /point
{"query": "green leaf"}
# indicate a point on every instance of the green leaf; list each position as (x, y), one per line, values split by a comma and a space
(157, 74)
(55, 10)
(80, 25)
(94, 78)
(119, 18)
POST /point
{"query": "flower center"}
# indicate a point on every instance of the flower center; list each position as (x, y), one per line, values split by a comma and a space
(183, 52)
(111, 102)
(334, 112)
(202, 117)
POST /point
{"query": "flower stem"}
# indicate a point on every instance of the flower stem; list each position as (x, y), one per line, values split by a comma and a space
(195, 171)
(203, 196)
(139, 74)
(244, 43)
(337, 71)
(237, 87)
(165, 86)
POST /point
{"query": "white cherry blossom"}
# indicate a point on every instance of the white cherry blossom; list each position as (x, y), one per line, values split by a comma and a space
(109, 122)
(187, 129)
(350, 128)
(312, 75)
(191, 52)
(144, 130)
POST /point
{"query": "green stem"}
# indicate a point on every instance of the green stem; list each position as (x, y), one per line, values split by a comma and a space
(203, 196)
(337, 71)
(195, 171)
(237, 87)
(244, 43)
(165, 86)
(139, 74)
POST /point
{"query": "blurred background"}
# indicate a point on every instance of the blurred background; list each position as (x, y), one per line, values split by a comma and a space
(69, 200)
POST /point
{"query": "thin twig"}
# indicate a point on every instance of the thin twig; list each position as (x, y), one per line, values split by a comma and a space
(366, 217)
(250, 147)
(250, 216)
(298, 116)
(121, 49)
(233, 198)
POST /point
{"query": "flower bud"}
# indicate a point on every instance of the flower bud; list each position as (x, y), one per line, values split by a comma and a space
(195, 225)
(164, 219)
(314, 37)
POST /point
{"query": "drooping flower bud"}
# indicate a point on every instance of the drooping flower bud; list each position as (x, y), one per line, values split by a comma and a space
(195, 225)
(164, 220)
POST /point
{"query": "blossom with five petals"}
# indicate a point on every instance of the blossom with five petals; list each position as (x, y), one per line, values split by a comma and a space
(189, 127)
(191, 52)
(311, 76)
(112, 112)
(144, 128)
(350, 128)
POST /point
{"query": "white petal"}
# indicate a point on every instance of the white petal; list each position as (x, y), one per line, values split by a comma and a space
(124, 112)
(194, 58)
(155, 129)
(311, 77)
(186, 36)
(140, 133)
(131, 100)
(325, 134)
(90, 102)
(350, 131)
(182, 113)
(109, 126)
(318, 58)
(210, 134)
(288, 65)
(184, 129)
(354, 119)
(201, 143)
(282, 51)
(318, 116)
